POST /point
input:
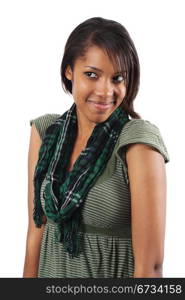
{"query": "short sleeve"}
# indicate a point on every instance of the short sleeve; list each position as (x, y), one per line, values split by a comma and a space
(43, 122)
(140, 131)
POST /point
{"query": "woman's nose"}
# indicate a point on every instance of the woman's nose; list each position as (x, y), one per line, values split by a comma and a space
(105, 89)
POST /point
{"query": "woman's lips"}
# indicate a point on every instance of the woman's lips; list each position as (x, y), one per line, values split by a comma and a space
(101, 105)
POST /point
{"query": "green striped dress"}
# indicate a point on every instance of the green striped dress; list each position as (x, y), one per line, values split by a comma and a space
(106, 230)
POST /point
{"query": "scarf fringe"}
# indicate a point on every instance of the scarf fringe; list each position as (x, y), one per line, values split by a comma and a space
(68, 235)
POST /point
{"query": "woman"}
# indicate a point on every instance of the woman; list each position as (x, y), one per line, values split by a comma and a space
(97, 172)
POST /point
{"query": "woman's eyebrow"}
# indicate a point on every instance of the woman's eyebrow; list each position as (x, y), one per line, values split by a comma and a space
(94, 68)
(97, 69)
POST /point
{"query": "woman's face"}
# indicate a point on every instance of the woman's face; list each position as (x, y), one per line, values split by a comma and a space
(97, 88)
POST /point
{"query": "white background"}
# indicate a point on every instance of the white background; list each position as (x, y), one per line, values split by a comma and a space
(32, 39)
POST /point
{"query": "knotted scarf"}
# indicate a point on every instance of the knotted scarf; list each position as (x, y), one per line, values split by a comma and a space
(64, 195)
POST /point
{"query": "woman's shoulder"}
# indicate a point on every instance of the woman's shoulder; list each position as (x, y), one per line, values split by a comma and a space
(139, 129)
(142, 131)
(138, 126)
(42, 122)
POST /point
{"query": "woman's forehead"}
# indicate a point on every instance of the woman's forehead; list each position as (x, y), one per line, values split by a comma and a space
(99, 59)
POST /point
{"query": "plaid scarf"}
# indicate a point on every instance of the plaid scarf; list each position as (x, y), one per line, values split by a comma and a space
(64, 197)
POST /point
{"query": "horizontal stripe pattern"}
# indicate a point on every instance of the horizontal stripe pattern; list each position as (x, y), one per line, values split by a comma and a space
(107, 207)
(101, 256)
(42, 122)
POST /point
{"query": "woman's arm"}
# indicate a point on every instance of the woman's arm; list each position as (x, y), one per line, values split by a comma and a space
(34, 234)
(147, 176)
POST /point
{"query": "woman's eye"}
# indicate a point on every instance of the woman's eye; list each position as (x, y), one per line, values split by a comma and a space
(118, 78)
(89, 74)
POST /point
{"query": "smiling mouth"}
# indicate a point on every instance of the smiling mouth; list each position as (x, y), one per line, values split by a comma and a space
(102, 103)
(101, 106)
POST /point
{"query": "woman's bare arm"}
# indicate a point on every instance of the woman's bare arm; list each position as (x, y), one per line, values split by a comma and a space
(34, 234)
(147, 175)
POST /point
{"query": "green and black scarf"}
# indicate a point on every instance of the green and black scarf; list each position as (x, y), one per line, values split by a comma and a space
(64, 195)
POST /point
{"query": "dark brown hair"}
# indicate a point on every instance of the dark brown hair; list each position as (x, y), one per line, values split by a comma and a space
(115, 39)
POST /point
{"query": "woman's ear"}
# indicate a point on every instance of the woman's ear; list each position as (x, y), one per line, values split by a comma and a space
(69, 73)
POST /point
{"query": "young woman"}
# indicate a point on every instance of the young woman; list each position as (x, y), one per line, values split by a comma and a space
(97, 172)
